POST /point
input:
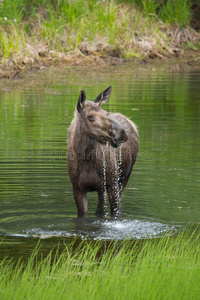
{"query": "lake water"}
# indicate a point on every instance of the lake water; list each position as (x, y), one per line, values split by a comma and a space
(163, 192)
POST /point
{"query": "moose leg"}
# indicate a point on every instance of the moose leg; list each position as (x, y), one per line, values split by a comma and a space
(81, 202)
(122, 186)
(101, 209)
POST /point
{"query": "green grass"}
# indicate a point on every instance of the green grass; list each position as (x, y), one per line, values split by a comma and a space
(167, 268)
(178, 11)
(171, 11)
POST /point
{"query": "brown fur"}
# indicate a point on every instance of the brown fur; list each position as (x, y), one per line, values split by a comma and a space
(92, 131)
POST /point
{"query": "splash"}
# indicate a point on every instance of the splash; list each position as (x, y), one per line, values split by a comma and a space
(106, 230)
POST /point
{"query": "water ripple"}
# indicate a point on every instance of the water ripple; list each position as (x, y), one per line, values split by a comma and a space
(107, 230)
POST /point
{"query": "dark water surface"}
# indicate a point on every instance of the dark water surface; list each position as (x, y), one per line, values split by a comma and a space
(164, 189)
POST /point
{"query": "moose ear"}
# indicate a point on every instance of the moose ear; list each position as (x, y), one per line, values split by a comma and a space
(104, 96)
(81, 100)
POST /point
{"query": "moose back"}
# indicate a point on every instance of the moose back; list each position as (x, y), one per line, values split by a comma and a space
(102, 148)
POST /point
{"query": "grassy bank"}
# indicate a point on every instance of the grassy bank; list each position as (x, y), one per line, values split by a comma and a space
(36, 33)
(154, 269)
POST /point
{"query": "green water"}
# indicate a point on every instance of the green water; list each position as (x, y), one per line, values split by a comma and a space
(164, 189)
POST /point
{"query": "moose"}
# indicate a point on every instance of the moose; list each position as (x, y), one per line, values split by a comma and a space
(102, 149)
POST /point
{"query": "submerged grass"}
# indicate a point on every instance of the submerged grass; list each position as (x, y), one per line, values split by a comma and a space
(166, 268)
(35, 33)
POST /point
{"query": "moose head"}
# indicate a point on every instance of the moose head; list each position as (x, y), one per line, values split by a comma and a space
(98, 123)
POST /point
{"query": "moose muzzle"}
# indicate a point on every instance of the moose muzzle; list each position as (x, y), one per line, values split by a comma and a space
(117, 134)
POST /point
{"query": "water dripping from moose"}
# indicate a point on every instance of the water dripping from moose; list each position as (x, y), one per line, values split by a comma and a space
(102, 149)
(116, 179)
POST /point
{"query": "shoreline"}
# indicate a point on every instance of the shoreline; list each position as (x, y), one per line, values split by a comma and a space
(78, 59)
(93, 34)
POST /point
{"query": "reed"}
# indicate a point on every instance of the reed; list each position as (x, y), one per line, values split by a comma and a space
(166, 268)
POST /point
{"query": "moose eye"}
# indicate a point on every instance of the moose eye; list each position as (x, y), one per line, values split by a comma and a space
(91, 117)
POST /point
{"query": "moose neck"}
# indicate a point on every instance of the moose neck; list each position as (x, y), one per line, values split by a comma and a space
(85, 145)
